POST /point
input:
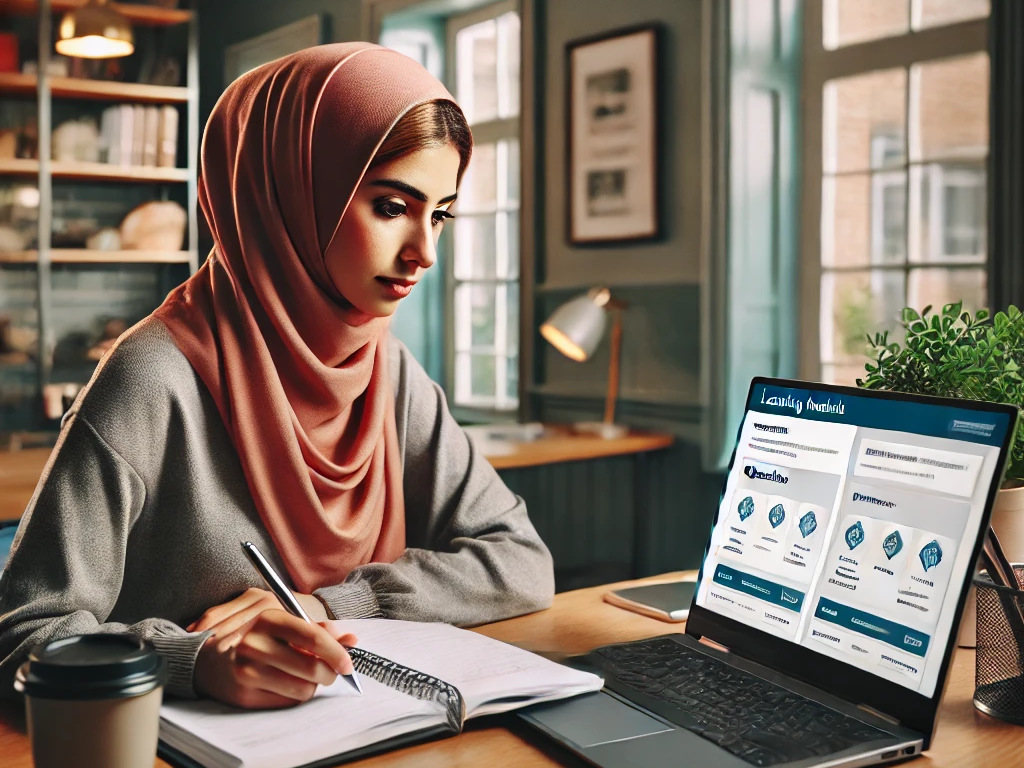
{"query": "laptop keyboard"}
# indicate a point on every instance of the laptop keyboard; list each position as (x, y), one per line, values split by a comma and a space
(757, 721)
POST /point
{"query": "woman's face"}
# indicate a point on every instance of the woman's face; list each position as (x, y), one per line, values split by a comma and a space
(388, 235)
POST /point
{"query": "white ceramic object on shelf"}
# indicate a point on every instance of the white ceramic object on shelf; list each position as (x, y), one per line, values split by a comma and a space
(1008, 523)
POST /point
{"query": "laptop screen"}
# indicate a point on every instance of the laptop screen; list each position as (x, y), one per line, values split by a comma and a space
(845, 519)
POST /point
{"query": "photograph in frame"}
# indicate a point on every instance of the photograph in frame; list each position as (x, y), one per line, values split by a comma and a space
(612, 139)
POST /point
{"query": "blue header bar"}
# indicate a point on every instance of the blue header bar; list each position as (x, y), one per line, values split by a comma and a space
(896, 635)
(986, 427)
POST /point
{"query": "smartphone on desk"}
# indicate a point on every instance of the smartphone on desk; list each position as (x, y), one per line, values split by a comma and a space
(668, 602)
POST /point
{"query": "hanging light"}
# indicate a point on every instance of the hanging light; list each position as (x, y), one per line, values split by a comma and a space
(95, 31)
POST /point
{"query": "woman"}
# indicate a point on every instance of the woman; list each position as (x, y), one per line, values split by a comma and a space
(265, 401)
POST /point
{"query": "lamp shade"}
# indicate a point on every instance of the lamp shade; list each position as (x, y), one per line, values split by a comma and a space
(95, 31)
(575, 328)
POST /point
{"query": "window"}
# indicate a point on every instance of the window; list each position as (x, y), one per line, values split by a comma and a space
(897, 196)
(483, 52)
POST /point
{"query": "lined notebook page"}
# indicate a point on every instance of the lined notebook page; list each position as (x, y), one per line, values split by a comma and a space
(491, 675)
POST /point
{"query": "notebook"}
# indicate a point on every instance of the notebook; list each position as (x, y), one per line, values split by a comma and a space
(419, 680)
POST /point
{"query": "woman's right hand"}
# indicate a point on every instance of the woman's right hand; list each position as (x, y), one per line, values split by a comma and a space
(277, 661)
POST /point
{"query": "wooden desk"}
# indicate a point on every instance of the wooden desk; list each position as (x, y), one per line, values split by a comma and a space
(578, 622)
(20, 470)
(559, 444)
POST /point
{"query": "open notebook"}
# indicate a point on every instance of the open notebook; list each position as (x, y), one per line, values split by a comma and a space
(419, 680)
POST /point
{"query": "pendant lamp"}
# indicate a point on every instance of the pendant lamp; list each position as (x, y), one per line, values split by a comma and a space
(95, 31)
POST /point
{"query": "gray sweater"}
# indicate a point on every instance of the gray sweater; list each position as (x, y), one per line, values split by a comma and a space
(136, 522)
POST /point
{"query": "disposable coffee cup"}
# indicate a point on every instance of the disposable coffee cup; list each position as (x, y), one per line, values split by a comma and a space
(93, 701)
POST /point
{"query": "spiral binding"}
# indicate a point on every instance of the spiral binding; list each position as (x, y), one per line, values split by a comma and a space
(411, 682)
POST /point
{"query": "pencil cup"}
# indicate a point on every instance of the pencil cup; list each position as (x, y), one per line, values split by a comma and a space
(999, 664)
(93, 701)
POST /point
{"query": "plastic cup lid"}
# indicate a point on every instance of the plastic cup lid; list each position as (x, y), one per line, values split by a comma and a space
(96, 666)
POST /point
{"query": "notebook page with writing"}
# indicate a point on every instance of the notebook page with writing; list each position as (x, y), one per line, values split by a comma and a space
(491, 675)
(336, 720)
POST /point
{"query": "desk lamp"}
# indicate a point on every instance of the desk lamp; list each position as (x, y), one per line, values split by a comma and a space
(575, 329)
(95, 31)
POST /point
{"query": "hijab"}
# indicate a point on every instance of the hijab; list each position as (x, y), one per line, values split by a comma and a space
(299, 376)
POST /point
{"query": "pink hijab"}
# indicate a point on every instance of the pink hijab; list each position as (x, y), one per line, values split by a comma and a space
(299, 376)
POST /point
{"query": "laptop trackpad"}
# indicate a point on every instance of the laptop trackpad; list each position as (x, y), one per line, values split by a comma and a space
(588, 721)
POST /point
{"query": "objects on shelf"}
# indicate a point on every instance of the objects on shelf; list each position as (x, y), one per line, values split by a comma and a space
(112, 328)
(76, 140)
(8, 52)
(106, 239)
(154, 226)
(17, 343)
(139, 135)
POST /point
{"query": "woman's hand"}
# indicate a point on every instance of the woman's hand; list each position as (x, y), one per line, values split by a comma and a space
(261, 657)
(233, 615)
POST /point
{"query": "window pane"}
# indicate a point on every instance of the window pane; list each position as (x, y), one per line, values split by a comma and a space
(479, 189)
(863, 219)
(936, 13)
(475, 246)
(513, 245)
(864, 121)
(949, 108)
(854, 21)
(854, 304)
(477, 68)
(512, 389)
(511, 172)
(843, 373)
(474, 316)
(948, 212)
(508, 31)
(512, 313)
(475, 382)
(938, 287)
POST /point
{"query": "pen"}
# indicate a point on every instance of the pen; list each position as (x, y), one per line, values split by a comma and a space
(279, 588)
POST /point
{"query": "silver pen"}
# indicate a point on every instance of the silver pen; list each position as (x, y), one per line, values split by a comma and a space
(279, 588)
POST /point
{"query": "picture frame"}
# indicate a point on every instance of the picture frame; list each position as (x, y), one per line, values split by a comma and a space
(612, 138)
(248, 54)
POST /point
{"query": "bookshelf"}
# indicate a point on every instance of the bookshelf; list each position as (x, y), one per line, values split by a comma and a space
(101, 90)
(66, 279)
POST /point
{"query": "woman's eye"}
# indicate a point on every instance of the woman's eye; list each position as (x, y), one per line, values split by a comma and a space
(391, 209)
(440, 216)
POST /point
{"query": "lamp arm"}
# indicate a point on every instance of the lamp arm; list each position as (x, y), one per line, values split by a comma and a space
(613, 365)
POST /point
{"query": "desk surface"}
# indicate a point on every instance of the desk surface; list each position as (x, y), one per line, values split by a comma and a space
(580, 621)
(20, 470)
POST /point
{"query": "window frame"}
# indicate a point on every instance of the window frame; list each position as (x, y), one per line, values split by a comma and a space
(483, 133)
(820, 66)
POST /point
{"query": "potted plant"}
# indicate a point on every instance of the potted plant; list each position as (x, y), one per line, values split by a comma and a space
(952, 354)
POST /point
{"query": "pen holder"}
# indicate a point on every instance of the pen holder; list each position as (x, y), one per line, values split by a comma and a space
(999, 664)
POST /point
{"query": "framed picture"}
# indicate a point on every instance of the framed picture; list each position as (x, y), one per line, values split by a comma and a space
(612, 137)
(239, 58)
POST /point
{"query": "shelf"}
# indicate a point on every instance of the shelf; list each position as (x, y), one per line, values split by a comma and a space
(84, 256)
(616, 285)
(105, 90)
(147, 15)
(96, 171)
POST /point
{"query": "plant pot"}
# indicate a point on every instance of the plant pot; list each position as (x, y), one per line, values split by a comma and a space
(1008, 523)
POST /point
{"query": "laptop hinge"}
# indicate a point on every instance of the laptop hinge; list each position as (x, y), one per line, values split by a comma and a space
(713, 644)
(876, 713)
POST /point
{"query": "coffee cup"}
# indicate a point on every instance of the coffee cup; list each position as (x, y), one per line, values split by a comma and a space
(93, 701)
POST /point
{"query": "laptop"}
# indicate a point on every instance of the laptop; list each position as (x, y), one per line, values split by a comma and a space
(830, 594)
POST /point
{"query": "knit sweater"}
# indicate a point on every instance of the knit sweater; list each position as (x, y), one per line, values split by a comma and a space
(136, 523)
